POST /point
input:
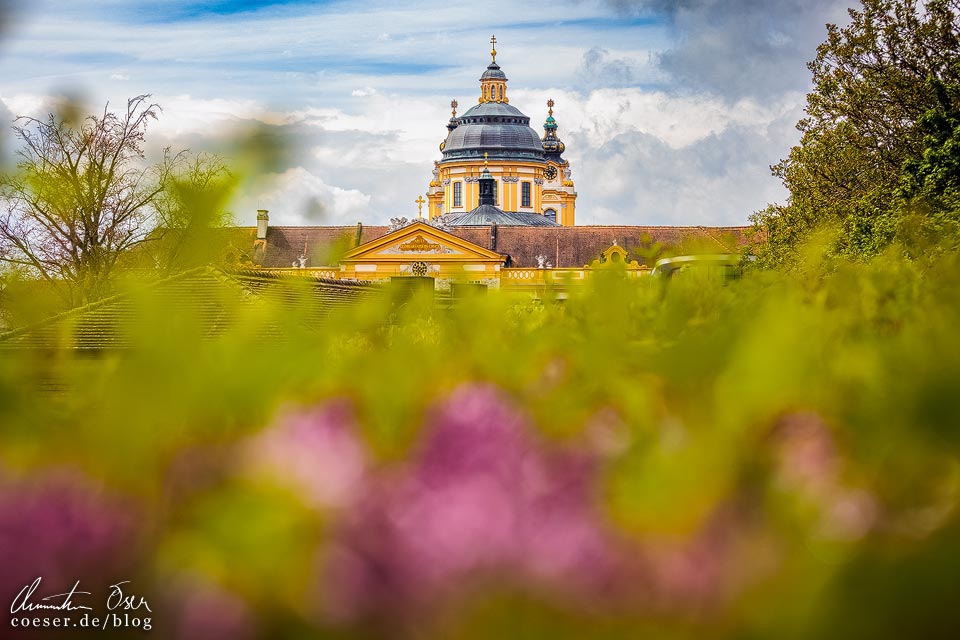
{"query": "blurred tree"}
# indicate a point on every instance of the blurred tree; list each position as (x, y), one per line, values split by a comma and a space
(874, 81)
(191, 206)
(80, 197)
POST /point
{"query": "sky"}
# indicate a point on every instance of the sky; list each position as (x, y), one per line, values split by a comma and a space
(672, 111)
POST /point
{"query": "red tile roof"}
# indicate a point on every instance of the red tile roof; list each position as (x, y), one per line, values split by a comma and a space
(208, 295)
(562, 246)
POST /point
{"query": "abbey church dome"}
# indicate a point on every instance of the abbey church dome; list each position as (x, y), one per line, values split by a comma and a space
(493, 126)
(497, 128)
(493, 158)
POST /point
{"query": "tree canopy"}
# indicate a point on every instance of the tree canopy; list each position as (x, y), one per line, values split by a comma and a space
(80, 197)
(83, 197)
(876, 131)
(193, 204)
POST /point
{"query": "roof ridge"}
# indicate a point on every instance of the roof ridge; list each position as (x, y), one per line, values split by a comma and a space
(707, 231)
(96, 304)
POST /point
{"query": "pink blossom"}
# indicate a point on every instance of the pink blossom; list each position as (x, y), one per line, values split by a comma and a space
(807, 452)
(808, 461)
(62, 527)
(317, 452)
(205, 610)
(482, 499)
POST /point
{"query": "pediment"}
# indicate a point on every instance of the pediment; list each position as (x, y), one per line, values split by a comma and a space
(420, 241)
(417, 246)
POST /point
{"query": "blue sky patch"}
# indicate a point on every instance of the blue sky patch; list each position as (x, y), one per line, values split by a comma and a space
(186, 11)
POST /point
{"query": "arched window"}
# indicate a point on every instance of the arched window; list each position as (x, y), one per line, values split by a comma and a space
(550, 214)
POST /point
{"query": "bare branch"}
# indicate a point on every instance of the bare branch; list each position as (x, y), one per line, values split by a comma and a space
(79, 196)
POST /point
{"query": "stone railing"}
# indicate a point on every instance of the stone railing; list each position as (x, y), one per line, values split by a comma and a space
(523, 277)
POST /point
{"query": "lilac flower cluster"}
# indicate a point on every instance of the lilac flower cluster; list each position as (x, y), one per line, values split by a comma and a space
(481, 500)
(316, 452)
(61, 527)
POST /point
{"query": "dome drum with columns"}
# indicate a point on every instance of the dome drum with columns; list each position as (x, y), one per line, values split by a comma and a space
(530, 178)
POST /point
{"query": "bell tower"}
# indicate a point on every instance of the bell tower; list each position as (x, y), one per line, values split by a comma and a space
(493, 82)
(559, 196)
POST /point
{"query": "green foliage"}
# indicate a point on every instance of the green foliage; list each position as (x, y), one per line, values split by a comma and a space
(876, 124)
(781, 451)
(192, 205)
(929, 194)
(937, 172)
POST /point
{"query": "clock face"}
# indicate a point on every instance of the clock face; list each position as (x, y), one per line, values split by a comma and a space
(550, 173)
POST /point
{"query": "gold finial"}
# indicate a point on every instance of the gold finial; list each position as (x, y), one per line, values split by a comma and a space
(493, 47)
(420, 202)
(550, 106)
(453, 106)
(485, 156)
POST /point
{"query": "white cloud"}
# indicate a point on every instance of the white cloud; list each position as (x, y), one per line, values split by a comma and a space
(298, 196)
(27, 104)
(677, 120)
(183, 114)
(365, 88)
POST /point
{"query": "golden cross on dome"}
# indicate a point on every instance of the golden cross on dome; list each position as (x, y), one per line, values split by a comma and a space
(420, 202)
(493, 47)
(453, 105)
(485, 156)
(550, 106)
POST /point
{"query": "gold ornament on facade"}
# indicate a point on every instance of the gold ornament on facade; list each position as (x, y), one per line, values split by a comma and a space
(420, 245)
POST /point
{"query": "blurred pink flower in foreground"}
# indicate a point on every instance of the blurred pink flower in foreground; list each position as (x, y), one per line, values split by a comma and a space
(482, 499)
(204, 610)
(317, 452)
(808, 462)
(62, 527)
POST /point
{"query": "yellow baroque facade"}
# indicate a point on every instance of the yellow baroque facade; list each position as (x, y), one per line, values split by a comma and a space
(533, 182)
(421, 250)
(501, 213)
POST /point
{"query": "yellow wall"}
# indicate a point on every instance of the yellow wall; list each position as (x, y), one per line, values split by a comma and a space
(508, 193)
